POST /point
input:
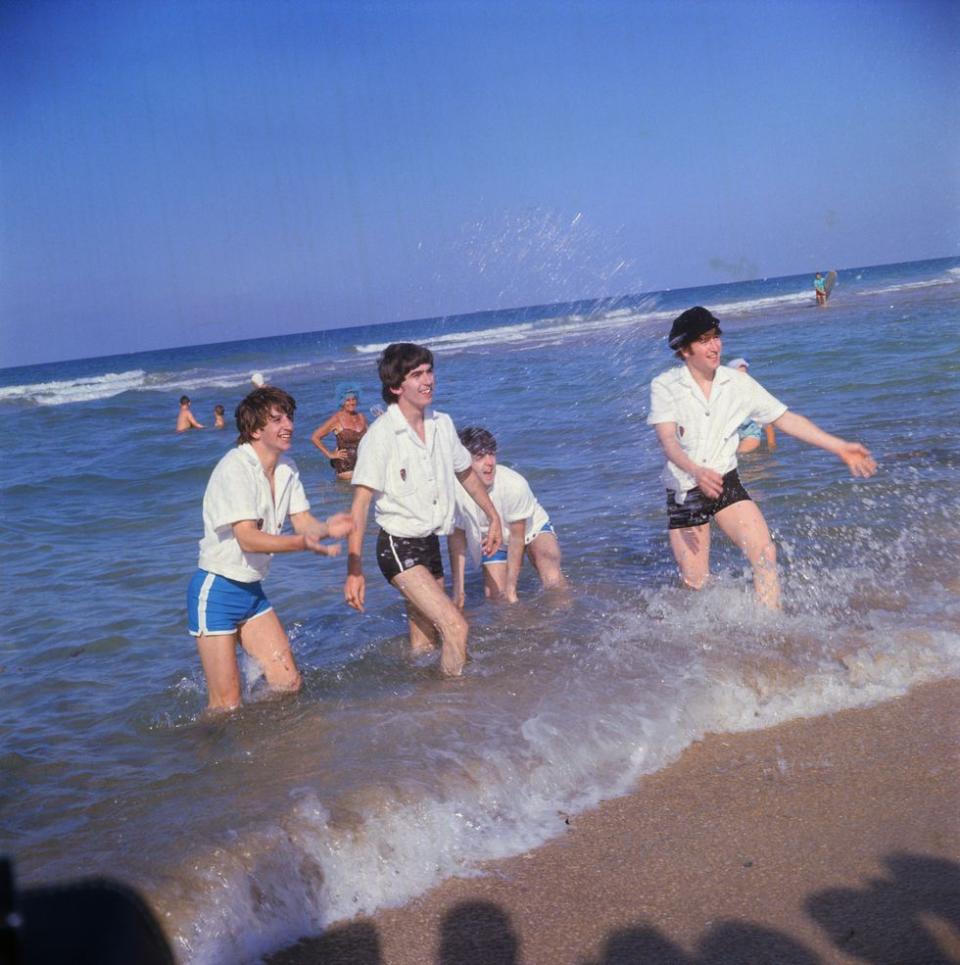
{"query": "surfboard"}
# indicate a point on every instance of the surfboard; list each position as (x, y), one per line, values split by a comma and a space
(829, 282)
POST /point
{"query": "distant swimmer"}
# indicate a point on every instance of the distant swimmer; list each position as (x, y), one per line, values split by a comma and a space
(218, 422)
(250, 493)
(693, 408)
(751, 432)
(408, 465)
(257, 379)
(820, 289)
(185, 418)
(348, 426)
(527, 527)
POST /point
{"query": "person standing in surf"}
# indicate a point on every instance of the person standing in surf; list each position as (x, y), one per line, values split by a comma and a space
(696, 409)
(348, 426)
(251, 491)
(408, 464)
(820, 288)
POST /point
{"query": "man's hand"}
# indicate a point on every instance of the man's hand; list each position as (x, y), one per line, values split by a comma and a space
(709, 481)
(858, 459)
(321, 549)
(354, 590)
(494, 537)
(339, 525)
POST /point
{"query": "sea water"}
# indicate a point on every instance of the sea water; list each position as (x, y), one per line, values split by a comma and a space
(380, 778)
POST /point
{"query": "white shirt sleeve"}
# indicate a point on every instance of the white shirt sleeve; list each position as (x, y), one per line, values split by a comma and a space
(518, 501)
(662, 406)
(371, 467)
(298, 497)
(765, 408)
(231, 493)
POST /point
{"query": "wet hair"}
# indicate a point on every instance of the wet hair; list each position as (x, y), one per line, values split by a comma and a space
(254, 411)
(396, 362)
(184, 400)
(477, 440)
(218, 409)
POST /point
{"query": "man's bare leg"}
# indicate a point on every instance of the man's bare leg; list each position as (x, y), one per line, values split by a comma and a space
(544, 552)
(266, 641)
(744, 524)
(429, 606)
(691, 550)
(494, 580)
(218, 657)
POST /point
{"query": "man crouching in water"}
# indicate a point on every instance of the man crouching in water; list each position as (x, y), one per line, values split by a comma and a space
(408, 464)
(696, 409)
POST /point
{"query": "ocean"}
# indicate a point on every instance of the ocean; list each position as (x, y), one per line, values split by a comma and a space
(380, 779)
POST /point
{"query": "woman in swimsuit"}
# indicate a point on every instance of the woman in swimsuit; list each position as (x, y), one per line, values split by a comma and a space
(348, 426)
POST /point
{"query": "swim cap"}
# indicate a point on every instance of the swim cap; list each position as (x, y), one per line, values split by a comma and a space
(345, 390)
(689, 326)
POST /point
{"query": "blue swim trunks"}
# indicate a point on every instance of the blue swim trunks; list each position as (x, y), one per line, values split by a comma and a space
(218, 605)
(501, 554)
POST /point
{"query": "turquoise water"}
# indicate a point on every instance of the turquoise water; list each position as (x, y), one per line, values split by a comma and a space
(380, 778)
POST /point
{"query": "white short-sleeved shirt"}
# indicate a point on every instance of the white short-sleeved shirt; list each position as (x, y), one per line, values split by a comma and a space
(239, 489)
(707, 428)
(414, 481)
(513, 499)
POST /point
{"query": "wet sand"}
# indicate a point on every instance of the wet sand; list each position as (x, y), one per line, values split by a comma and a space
(835, 839)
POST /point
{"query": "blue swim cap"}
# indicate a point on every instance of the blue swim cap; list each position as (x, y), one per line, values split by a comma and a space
(345, 390)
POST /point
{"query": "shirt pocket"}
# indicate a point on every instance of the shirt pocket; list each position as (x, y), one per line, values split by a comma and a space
(401, 479)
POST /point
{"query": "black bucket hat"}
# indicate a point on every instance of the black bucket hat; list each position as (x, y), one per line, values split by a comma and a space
(689, 326)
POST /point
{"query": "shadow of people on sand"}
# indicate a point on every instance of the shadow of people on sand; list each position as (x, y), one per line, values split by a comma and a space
(898, 919)
(909, 918)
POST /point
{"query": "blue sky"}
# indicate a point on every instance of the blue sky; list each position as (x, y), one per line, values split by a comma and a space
(191, 171)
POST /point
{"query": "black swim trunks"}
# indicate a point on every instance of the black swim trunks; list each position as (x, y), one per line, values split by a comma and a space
(398, 553)
(698, 509)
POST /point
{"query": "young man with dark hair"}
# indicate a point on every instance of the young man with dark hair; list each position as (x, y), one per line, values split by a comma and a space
(408, 464)
(527, 527)
(696, 409)
(250, 493)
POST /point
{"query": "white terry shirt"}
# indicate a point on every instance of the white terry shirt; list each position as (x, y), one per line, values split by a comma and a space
(239, 489)
(513, 499)
(707, 429)
(414, 481)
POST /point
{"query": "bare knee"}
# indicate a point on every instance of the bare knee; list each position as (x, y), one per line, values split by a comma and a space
(766, 557)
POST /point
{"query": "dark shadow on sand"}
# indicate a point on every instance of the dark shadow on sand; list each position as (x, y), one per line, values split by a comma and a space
(882, 924)
(888, 922)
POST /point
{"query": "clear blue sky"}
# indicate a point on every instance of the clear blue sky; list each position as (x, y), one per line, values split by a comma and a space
(186, 171)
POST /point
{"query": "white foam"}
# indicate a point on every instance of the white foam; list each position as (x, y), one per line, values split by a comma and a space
(84, 389)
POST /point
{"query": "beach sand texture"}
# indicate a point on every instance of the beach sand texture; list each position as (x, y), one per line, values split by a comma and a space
(833, 839)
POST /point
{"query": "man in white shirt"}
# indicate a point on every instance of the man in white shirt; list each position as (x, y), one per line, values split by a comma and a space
(250, 493)
(527, 526)
(408, 465)
(696, 409)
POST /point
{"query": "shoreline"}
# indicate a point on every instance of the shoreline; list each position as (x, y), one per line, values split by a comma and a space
(827, 839)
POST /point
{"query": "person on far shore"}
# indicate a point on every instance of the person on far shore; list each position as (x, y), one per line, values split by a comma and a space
(185, 418)
(348, 426)
(528, 527)
(250, 493)
(695, 409)
(751, 432)
(408, 465)
(819, 288)
(218, 422)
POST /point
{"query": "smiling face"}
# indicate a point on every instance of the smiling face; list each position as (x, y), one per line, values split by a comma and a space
(485, 466)
(702, 355)
(350, 404)
(277, 434)
(416, 390)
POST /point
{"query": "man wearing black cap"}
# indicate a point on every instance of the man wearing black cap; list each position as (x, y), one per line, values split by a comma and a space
(696, 409)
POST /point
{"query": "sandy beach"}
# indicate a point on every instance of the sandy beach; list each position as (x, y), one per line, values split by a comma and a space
(834, 839)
